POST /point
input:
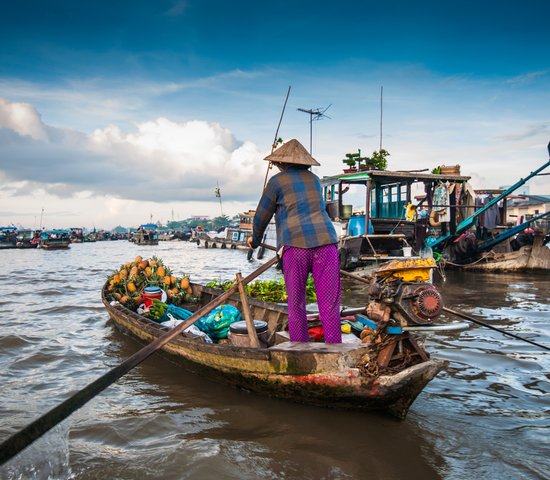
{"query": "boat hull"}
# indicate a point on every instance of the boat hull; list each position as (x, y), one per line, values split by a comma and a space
(315, 374)
(55, 245)
(528, 257)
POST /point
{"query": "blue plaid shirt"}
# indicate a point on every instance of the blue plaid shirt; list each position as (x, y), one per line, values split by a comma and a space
(295, 197)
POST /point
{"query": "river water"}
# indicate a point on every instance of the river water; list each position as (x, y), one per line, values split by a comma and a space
(486, 416)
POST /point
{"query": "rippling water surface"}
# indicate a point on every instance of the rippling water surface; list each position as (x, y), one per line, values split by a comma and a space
(486, 416)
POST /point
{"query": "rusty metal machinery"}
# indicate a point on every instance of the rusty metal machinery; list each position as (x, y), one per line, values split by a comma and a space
(402, 290)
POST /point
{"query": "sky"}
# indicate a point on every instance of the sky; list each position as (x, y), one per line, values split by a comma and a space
(125, 112)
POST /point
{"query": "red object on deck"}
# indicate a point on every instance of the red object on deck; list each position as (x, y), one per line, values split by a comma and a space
(151, 293)
(316, 333)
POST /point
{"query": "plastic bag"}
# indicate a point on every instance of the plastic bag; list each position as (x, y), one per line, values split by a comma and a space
(350, 338)
(194, 330)
(216, 323)
(176, 312)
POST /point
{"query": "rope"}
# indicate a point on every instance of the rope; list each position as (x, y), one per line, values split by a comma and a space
(483, 257)
(370, 244)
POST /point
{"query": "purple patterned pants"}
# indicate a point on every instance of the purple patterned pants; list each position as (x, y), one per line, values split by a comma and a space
(323, 263)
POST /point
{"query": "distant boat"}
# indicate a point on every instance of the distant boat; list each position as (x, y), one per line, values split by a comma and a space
(76, 235)
(8, 237)
(146, 235)
(55, 239)
(236, 237)
(26, 239)
(231, 237)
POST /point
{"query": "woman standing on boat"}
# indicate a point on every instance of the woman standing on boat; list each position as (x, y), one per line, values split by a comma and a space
(308, 238)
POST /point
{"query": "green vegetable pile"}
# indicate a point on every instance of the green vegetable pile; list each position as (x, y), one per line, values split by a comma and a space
(157, 310)
(267, 290)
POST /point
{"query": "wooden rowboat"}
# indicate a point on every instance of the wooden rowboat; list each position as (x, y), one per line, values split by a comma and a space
(314, 373)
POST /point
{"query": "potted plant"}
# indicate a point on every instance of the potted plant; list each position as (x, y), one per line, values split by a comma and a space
(356, 162)
(351, 162)
(378, 160)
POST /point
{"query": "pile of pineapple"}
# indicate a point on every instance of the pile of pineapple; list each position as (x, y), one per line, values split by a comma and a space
(127, 283)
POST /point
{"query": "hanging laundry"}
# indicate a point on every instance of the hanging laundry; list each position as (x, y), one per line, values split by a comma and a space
(491, 217)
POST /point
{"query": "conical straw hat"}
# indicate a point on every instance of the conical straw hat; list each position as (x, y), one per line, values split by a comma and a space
(292, 152)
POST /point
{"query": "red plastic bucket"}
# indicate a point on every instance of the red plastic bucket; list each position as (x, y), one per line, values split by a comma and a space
(149, 294)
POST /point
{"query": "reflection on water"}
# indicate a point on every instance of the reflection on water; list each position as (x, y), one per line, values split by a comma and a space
(486, 416)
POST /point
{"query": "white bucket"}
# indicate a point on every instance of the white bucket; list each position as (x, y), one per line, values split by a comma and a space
(407, 251)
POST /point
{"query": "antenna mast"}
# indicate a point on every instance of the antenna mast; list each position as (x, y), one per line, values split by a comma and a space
(381, 93)
(314, 114)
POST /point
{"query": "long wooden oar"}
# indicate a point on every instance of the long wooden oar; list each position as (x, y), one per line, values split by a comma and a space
(22, 439)
(483, 324)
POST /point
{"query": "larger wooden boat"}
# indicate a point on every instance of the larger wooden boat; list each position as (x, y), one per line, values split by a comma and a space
(415, 212)
(348, 376)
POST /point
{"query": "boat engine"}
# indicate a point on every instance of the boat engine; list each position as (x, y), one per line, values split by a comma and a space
(403, 290)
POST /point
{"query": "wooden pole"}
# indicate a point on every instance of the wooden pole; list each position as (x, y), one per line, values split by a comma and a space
(254, 342)
(274, 144)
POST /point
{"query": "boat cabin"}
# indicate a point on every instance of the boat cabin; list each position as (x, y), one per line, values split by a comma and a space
(395, 213)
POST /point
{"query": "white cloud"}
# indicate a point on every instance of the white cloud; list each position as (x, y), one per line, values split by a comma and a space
(158, 161)
(23, 119)
(528, 77)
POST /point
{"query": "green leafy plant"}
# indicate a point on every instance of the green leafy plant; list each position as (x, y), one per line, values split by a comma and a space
(267, 290)
(378, 159)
